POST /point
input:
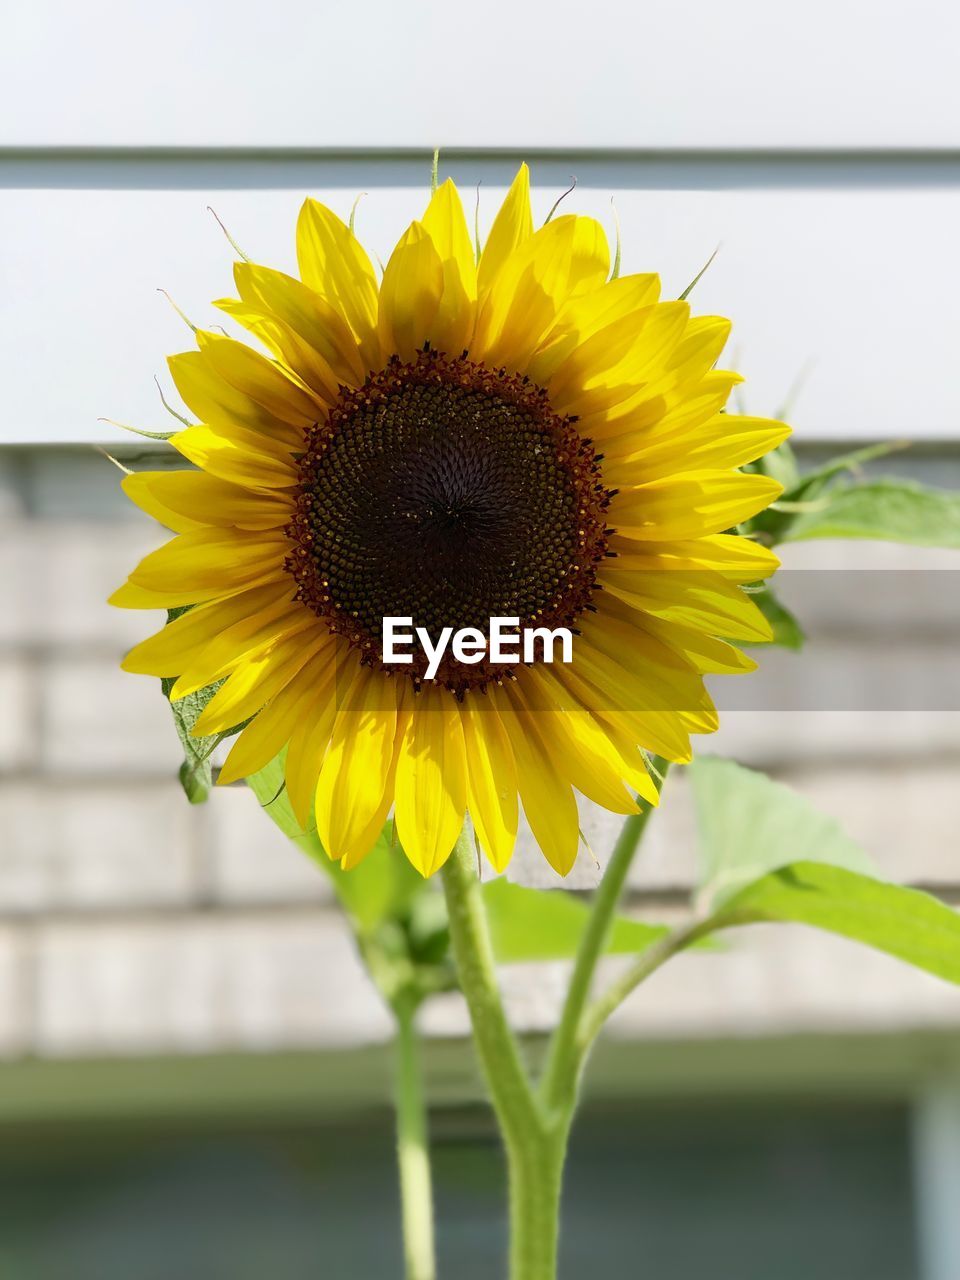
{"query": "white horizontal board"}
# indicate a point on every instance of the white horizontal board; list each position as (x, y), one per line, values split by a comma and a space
(610, 74)
(859, 285)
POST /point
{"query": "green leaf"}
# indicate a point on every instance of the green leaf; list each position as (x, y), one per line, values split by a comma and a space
(812, 483)
(905, 923)
(805, 493)
(768, 856)
(750, 825)
(539, 924)
(787, 631)
(888, 510)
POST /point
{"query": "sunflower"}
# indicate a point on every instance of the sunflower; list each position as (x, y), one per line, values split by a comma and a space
(505, 433)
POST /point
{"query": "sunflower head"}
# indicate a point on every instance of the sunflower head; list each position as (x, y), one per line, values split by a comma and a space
(450, 493)
(514, 435)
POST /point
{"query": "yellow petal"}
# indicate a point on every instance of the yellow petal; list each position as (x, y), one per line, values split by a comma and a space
(691, 505)
(548, 800)
(278, 391)
(630, 683)
(270, 731)
(169, 651)
(431, 785)
(738, 559)
(216, 401)
(134, 595)
(631, 763)
(602, 689)
(491, 779)
(334, 264)
(131, 597)
(598, 738)
(725, 440)
(684, 369)
(574, 743)
(446, 225)
(587, 314)
(706, 653)
(703, 600)
(208, 562)
(652, 676)
(511, 227)
(246, 637)
(307, 365)
(307, 313)
(695, 355)
(258, 679)
(410, 294)
(185, 500)
(616, 361)
(238, 456)
(309, 740)
(705, 721)
(567, 257)
(354, 774)
(367, 839)
(146, 489)
(620, 428)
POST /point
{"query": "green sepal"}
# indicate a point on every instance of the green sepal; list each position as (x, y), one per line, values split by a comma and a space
(196, 771)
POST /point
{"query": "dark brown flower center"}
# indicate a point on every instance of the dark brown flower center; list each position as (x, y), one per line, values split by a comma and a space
(448, 493)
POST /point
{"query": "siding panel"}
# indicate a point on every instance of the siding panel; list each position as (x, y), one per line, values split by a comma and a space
(858, 280)
(829, 73)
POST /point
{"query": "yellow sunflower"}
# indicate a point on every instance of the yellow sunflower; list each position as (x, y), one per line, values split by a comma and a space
(511, 434)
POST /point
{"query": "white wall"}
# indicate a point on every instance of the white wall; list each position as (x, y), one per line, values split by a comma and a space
(504, 73)
(820, 145)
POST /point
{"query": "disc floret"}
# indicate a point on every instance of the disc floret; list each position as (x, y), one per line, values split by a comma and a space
(450, 492)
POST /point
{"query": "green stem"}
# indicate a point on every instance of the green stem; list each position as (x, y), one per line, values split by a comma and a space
(413, 1151)
(536, 1182)
(648, 962)
(535, 1143)
(565, 1057)
(497, 1048)
(535, 1124)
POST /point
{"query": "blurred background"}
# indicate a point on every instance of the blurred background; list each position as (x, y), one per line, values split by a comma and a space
(194, 1071)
